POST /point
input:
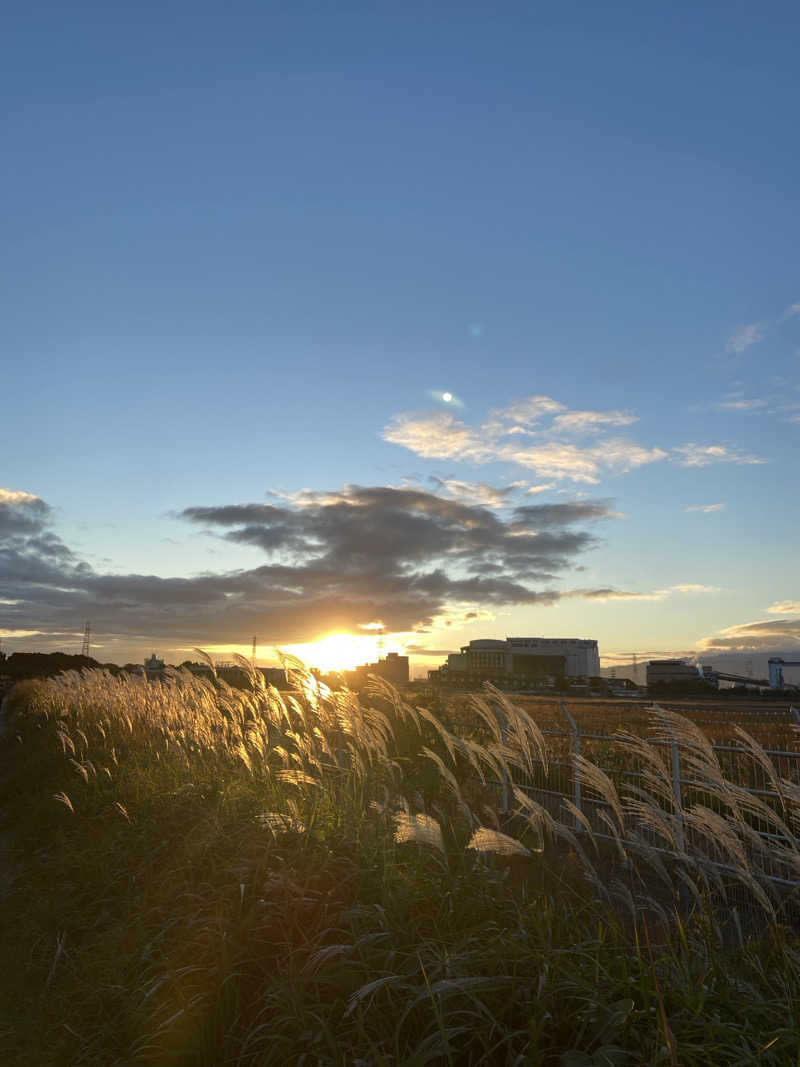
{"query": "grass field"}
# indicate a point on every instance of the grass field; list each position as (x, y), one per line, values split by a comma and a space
(199, 876)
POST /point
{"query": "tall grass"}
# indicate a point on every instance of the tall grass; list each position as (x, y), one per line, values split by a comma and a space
(207, 876)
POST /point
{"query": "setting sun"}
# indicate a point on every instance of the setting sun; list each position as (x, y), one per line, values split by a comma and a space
(338, 652)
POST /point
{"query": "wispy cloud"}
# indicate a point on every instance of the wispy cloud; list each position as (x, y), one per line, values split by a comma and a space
(707, 508)
(750, 333)
(756, 404)
(535, 435)
(695, 455)
(532, 433)
(774, 404)
(438, 435)
(744, 336)
(654, 594)
(487, 496)
(784, 607)
(581, 421)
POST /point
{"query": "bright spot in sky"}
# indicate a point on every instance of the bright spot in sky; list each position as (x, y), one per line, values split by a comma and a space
(441, 396)
(339, 652)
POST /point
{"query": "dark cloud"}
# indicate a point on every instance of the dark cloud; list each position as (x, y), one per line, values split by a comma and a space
(555, 516)
(333, 561)
(21, 514)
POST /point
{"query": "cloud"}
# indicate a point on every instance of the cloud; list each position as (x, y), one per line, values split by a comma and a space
(755, 404)
(558, 460)
(655, 594)
(487, 496)
(707, 508)
(19, 498)
(421, 650)
(21, 513)
(693, 587)
(581, 421)
(694, 455)
(518, 434)
(784, 607)
(751, 333)
(333, 561)
(744, 336)
(768, 635)
(525, 413)
(437, 436)
(537, 517)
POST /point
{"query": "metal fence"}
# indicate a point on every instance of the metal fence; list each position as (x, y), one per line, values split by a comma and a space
(741, 766)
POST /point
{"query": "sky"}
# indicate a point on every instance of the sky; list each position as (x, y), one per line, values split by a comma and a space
(419, 323)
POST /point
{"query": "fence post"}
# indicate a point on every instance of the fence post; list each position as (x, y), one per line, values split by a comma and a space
(676, 788)
(504, 786)
(576, 751)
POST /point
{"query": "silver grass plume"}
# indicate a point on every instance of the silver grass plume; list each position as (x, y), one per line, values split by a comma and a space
(418, 829)
(487, 840)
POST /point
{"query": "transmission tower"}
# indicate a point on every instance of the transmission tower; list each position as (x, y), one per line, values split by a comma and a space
(253, 653)
(87, 640)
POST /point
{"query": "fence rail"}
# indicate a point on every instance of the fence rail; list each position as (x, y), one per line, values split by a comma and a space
(741, 767)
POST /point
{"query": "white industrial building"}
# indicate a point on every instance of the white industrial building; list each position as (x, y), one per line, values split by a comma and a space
(533, 658)
(582, 655)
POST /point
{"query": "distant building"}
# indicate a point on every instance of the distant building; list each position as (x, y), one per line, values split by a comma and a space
(274, 676)
(153, 667)
(394, 669)
(519, 662)
(668, 671)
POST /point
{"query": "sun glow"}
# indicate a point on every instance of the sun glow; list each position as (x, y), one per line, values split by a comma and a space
(339, 652)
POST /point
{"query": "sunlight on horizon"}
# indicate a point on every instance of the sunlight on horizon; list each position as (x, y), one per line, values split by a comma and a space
(336, 651)
(342, 651)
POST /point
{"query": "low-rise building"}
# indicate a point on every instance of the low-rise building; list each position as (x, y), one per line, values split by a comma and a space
(669, 671)
(393, 668)
(519, 662)
(153, 667)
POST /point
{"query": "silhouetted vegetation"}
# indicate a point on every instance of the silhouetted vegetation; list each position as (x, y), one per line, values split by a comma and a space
(20, 665)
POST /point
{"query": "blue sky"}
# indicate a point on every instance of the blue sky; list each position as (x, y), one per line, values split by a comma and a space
(241, 242)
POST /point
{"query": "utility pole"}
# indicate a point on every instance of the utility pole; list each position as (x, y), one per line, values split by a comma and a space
(87, 640)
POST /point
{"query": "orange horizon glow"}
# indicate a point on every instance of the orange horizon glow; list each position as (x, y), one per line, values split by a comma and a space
(336, 651)
(341, 651)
